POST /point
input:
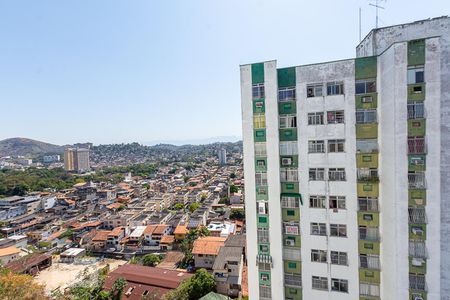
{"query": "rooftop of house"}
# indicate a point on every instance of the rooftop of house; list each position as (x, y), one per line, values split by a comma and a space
(227, 254)
(208, 245)
(101, 236)
(181, 229)
(9, 251)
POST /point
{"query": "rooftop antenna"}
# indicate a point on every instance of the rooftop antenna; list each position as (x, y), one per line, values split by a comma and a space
(360, 24)
(377, 6)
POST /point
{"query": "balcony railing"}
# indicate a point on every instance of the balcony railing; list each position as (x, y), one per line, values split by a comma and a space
(417, 282)
(417, 215)
(367, 175)
(293, 280)
(417, 249)
(292, 254)
(416, 145)
(369, 234)
(416, 180)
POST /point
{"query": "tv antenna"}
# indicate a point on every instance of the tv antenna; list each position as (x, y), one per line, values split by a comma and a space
(377, 6)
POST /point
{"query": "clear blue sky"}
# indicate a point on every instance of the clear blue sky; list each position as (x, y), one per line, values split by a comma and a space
(120, 71)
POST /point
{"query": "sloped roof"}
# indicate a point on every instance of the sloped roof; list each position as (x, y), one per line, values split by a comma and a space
(209, 245)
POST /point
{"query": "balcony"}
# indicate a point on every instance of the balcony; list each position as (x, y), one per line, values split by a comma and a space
(417, 215)
(416, 145)
(416, 180)
(417, 249)
(367, 175)
(417, 282)
(293, 280)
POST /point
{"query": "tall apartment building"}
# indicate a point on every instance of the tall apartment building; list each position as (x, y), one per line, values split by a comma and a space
(347, 177)
(222, 156)
(76, 159)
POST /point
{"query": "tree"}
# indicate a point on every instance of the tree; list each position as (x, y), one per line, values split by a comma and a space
(151, 260)
(193, 288)
(117, 288)
(233, 189)
(178, 206)
(193, 207)
(15, 286)
(232, 175)
(237, 214)
(188, 243)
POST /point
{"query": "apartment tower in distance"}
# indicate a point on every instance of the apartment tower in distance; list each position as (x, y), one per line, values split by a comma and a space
(347, 171)
(76, 159)
(222, 156)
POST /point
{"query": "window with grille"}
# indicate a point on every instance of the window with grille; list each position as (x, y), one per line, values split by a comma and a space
(368, 261)
(315, 118)
(335, 88)
(314, 90)
(286, 94)
(289, 202)
(265, 292)
(259, 121)
(317, 201)
(336, 174)
(339, 258)
(316, 146)
(416, 110)
(366, 116)
(318, 229)
(338, 230)
(369, 289)
(335, 117)
(258, 90)
(367, 146)
(260, 149)
(288, 148)
(319, 283)
(367, 204)
(336, 145)
(368, 233)
(337, 202)
(263, 235)
(288, 175)
(316, 174)
(289, 121)
(261, 178)
(416, 145)
(318, 255)
(339, 285)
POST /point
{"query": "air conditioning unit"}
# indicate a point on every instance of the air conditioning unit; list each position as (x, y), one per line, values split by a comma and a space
(367, 99)
(417, 297)
(286, 161)
(417, 262)
(259, 104)
(290, 243)
(417, 231)
(262, 208)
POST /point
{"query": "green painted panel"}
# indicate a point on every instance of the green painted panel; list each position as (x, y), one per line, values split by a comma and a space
(367, 131)
(368, 189)
(290, 187)
(291, 266)
(258, 73)
(264, 277)
(366, 247)
(416, 52)
(259, 106)
(288, 134)
(365, 67)
(286, 77)
(295, 238)
(367, 160)
(263, 248)
(418, 231)
(416, 162)
(418, 269)
(286, 159)
(263, 221)
(287, 107)
(293, 293)
(368, 219)
(259, 135)
(416, 92)
(368, 275)
(417, 197)
(416, 127)
(366, 101)
(261, 164)
(290, 214)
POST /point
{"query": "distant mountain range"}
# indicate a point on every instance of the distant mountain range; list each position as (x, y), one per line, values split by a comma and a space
(205, 141)
(27, 147)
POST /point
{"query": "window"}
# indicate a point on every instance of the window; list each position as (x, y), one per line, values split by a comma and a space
(415, 110)
(264, 276)
(339, 285)
(339, 230)
(316, 146)
(336, 174)
(288, 148)
(292, 228)
(260, 190)
(366, 116)
(368, 261)
(335, 117)
(318, 229)
(264, 266)
(314, 90)
(289, 121)
(316, 174)
(415, 75)
(260, 163)
(258, 90)
(263, 208)
(265, 292)
(335, 88)
(367, 174)
(259, 121)
(416, 145)
(263, 235)
(317, 201)
(315, 118)
(286, 94)
(367, 146)
(337, 202)
(261, 178)
(367, 204)
(368, 233)
(336, 145)
(318, 255)
(289, 202)
(288, 175)
(368, 289)
(319, 283)
(339, 258)
(260, 149)
(365, 86)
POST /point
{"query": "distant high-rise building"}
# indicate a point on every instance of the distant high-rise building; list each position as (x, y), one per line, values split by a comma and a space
(222, 154)
(76, 159)
(51, 158)
(347, 178)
